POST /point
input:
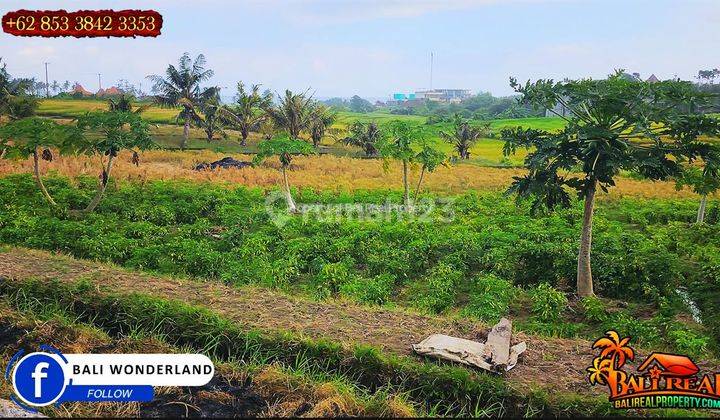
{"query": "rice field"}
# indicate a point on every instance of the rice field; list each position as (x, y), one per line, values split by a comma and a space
(327, 173)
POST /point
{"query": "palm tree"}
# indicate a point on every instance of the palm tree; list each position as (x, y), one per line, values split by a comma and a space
(364, 136)
(250, 109)
(15, 100)
(123, 103)
(214, 117)
(181, 87)
(464, 136)
(66, 86)
(293, 113)
(55, 86)
(321, 119)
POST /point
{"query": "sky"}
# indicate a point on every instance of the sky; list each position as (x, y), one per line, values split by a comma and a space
(374, 48)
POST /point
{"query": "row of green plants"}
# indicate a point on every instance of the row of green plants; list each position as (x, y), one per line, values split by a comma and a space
(493, 255)
(442, 388)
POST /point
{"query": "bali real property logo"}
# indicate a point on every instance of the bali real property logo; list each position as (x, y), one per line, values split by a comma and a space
(49, 377)
(663, 380)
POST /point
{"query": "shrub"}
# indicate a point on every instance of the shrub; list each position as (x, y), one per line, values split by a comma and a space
(375, 290)
(594, 309)
(547, 303)
(437, 290)
(490, 298)
(687, 341)
(330, 278)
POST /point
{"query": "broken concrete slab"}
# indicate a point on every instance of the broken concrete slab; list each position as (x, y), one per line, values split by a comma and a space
(497, 346)
(495, 355)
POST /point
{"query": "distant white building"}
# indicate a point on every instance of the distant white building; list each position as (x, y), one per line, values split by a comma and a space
(443, 95)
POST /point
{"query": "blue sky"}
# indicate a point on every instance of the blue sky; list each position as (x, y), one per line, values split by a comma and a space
(376, 47)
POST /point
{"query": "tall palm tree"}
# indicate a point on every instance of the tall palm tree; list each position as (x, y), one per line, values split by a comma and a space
(293, 113)
(250, 109)
(321, 119)
(181, 87)
(464, 136)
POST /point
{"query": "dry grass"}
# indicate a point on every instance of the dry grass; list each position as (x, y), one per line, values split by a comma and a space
(325, 172)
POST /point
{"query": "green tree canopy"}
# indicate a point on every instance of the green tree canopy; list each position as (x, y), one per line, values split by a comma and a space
(36, 137)
(181, 86)
(285, 149)
(250, 109)
(105, 135)
(613, 125)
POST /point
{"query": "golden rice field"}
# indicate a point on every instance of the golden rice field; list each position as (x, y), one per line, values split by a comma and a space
(327, 172)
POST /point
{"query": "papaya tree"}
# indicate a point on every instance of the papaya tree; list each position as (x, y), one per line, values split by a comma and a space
(398, 145)
(702, 182)
(612, 125)
(108, 133)
(37, 137)
(429, 158)
(285, 149)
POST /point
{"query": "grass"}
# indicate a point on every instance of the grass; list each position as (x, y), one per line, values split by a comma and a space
(77, 107)
(487, 152)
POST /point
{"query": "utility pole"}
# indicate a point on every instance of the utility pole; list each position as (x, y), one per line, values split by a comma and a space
(99, 83)
(431, 69)
(47, 82)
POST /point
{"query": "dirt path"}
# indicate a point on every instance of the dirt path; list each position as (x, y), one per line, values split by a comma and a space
(558, 364)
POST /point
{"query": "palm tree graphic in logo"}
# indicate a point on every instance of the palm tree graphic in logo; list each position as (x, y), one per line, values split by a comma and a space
(607, 367)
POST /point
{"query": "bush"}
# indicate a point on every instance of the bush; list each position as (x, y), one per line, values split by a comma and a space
(547, 303)
(376, 290)
(594, 309)
(490, 298)
(436, 292)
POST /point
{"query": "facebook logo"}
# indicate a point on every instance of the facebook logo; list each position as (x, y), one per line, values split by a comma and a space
(39, 379)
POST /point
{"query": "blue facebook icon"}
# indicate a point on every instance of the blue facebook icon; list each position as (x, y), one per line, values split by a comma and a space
(39, 379)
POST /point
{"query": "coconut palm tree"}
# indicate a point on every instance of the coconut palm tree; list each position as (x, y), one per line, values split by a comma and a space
(181, 87)
(364, 136)
(123, 103)
(321, 119)
(293, 113)
(464, 136)
(215, 116)
(15, 99)
(250, 109)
